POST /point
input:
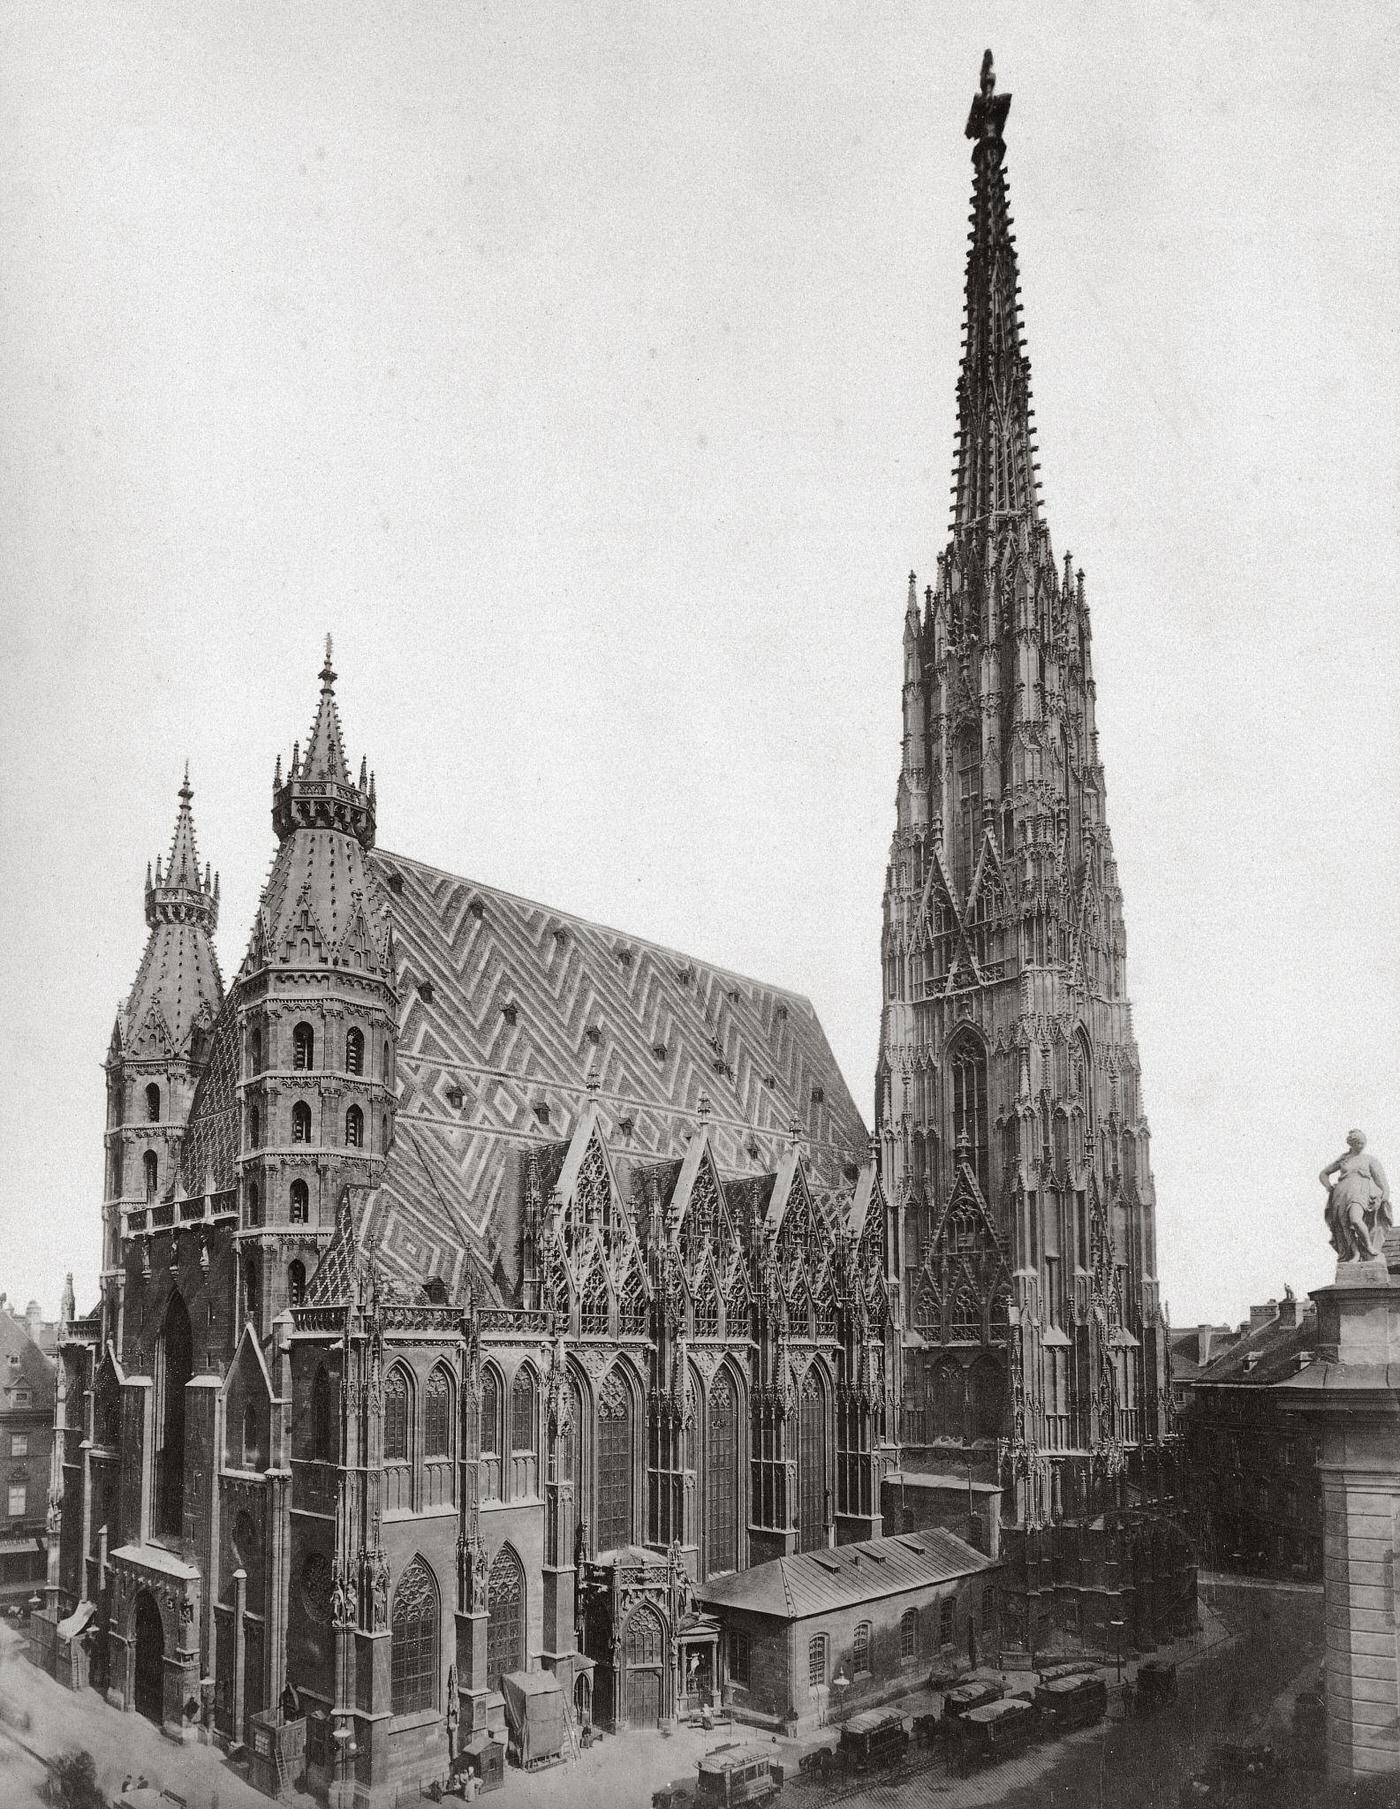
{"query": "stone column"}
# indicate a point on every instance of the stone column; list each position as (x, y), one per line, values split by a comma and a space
(1351, 1394)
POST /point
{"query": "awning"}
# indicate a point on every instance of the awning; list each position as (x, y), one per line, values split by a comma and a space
(535, 1711)
(77, 1620)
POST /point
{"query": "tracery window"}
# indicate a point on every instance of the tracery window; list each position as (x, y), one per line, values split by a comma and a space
(811, 1463)
(707, 1310)
(615, 1460)
(303, 1047)
(928, 1309)
(322, 1423)
(354, 1051)
(437, 1415)
(505, 1616)
(398, 1401)
(490, 1435)
(522, 1410)
(644, 1638)
(632, 1308)
(722, 1477)
(967, 1317)
(593, 1314)
(967, 1067)
(969, 782)
(414, 1641)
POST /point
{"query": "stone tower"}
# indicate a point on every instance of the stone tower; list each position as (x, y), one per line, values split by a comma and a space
(1008, 1104)
(160, 1041)
(316, 1016)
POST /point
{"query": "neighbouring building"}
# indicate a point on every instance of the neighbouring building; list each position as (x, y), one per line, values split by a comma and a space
(1254, 1489)
(810, 1637)
(27, 1370)
(1009, 1108)
(1192, 1348)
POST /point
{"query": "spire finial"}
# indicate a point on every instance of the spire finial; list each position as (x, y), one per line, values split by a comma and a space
(327, 671)
(185, 793)
(989, 76)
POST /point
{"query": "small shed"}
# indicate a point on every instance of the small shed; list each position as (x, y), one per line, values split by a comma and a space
(535, 1716)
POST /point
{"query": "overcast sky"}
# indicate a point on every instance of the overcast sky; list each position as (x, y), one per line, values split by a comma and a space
(589, 373)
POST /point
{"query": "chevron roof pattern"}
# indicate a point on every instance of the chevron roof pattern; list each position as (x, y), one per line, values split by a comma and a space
(513, 1015)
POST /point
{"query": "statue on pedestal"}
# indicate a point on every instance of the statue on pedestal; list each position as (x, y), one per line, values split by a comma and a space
(1358, 1202)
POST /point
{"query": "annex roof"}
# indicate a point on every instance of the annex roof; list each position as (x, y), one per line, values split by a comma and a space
(814, 1582)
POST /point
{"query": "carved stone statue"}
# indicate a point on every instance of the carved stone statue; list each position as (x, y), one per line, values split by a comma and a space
(1358, 1202)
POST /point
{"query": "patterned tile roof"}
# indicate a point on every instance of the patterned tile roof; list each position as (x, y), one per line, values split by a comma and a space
(815, 1582)
(513, 1015)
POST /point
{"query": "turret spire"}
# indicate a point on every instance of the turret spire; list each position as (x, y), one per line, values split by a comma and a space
(318, 789)
(995, 465)
(180, 894)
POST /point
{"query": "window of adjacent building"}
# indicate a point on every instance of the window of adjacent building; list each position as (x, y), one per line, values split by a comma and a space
(397, 1401)
(151, 1166)
(414, 1640)
(303, 1047)
(860, 1647)
(300, 1203)
(354, 1128)
(19, 1444)
(909, 1633)
(816, 1661)
(739, 1659)
(301, 1122)
(437, 1415)
(18, 1495)
(153, 1104)
(945, 1623)
(355, 1051)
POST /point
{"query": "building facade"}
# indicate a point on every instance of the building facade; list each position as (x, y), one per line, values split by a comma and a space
(1253, 1484)
(459, 1247)
(1009, 1111)
(27, 1370)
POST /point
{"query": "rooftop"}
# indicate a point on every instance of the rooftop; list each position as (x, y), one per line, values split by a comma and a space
(814, 1582)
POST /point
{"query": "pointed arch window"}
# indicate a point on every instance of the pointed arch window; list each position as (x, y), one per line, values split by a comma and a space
(153, 1104)
(707, 1310)
(505, 1616)
(252, 1291)
(301, 1122)
(632, 1308)
(255, 1051)
(414, 1641)
(254, 1128)
(593, 1315)
(437, 1415)
(949, 1402)
(322, 1421)
(254, 1204)
(490, 1435)
(615, 1460)
(398, 1417)
(150, 1164)
(967, 1317)
(928, 1310)
(299, 1204)
(967, 1068)
(354, 1051)
(811, 1464)
(296, 1283)
(969, 803)
(523, 1432)
(303, 1048)
(354, 1128)
(722, 1477)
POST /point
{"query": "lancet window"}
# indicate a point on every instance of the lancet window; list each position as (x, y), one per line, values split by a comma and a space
(632, 1306)
(414, 1641)
(722, 1476)
(615, 1462)
(967, 1069)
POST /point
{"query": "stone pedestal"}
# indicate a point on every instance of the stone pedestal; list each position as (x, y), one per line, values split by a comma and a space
(1351, 1395)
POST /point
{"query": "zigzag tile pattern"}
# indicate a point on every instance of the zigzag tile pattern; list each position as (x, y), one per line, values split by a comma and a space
(508, 1009)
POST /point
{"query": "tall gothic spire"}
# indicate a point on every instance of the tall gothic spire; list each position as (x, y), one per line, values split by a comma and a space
(178, 983)
(995, 464)
(318, 791)
(180, 894)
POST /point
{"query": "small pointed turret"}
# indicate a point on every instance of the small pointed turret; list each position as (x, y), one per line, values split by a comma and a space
(178, 893)
(318, 792)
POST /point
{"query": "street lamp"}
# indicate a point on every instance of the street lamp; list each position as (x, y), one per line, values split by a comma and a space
(1117, 1627)
(839, 1682)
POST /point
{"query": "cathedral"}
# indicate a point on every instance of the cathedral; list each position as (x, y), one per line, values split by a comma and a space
(480, 1284)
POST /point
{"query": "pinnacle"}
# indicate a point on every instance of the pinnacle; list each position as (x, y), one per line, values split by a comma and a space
(325, 751)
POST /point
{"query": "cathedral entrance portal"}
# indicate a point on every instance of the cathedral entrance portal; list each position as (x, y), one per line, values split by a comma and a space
(150, 1660)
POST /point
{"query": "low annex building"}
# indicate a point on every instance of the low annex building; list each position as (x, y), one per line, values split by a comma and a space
(813, 1635)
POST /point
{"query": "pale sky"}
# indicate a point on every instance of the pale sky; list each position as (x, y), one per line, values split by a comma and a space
(589, 372)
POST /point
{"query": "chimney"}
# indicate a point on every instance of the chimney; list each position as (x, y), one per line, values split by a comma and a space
(34, 1314)
(1290, 1313)
(1203, 1336)
(1261, 1315)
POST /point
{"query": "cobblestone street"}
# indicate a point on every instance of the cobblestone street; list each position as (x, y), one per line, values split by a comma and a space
(1258, 1644)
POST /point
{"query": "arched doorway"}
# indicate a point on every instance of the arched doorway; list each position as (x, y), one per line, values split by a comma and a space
(150, 1659)
(644, 1647)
